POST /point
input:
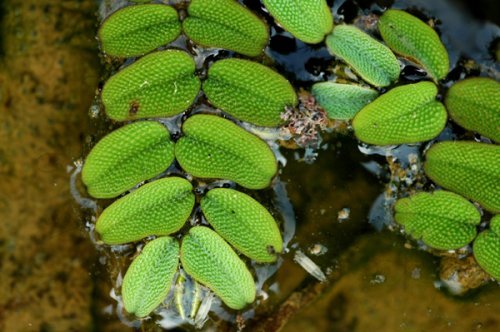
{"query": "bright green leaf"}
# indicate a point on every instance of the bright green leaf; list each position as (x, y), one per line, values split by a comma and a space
(443, 220)
(225, 24)
(213, 147)
(249, 91)
(157, 208)
(126, 157)
(212, 262)
(467, 168)
(487, 248)
(135, 30)
(244, 223)
(149, 277)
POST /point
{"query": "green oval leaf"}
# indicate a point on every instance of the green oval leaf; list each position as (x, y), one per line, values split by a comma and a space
(135, 30)
(307, 20)
(244, 223)
(474, 104)
(249, 91)
(149, 277)
(413, 39)
(467, 168)
(225, 24)
(211, 261)
(372, 60)
(213, 147)
(406, 114)
(443, 220)
(161, 84)
(342, 101)
(157, 208)
(127, 156)
(487, 248)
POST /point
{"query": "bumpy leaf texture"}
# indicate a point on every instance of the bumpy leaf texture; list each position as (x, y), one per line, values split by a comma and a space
(213, 147)
(157, 208)
(410, 37)
(225, 24)
(244, 223)
(212, 262)
(161, 84)
(307, 20)
(467, 168)
(487, 248)
(148, 279)
(135, 30)
(126, 157)
(342, 101)
(442, 219)
(474, 104)
(406, 114)
(249, 91)
(372, 60)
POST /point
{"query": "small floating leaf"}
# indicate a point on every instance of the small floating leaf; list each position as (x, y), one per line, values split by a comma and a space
(127, 156)
(467, 168)
(412, 38)
(372, 60)
(244, 223)
(157, 208)
(342, 101)
(487, 248)
(443, 220)
(211, 261)
(160, 84)
(406, 114)
(225, 24)
(307, 20)
(135, 30)
(213, 147)
(249, 91)
(148, 279)
(474, 104)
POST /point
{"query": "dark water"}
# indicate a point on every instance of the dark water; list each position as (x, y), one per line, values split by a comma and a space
(54, 279)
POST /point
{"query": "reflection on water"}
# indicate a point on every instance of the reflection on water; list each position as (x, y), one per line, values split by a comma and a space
(51, 277)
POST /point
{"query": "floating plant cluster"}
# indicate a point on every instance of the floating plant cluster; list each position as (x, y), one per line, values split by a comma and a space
(165, 83)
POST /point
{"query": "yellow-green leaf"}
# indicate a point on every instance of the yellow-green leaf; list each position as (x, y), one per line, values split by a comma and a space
(161, 84)
(409, 36)
(225, 24)
(307, 20)
(487, 248)
(135, 30)
(212, 262)
(467, 168)
(157, 208)
(372, 60)
(342, 101)
(474, 104)
(249, 91)
(406, 114)
(149, 277)
(244, 223)
(127, 156)
(213, 147)
(442, 219)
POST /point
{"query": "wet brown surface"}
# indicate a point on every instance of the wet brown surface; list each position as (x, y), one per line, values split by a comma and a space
(47, 79)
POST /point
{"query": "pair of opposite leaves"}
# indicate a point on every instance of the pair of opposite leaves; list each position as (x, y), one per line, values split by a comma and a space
(161, 208)
(226, 24)
(447, 221)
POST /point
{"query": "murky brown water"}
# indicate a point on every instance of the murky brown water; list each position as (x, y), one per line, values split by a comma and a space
(50, 275)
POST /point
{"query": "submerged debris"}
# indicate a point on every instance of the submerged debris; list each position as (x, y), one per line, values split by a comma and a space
(308, 265)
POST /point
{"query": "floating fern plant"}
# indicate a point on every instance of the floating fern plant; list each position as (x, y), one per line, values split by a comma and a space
(235, 227)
